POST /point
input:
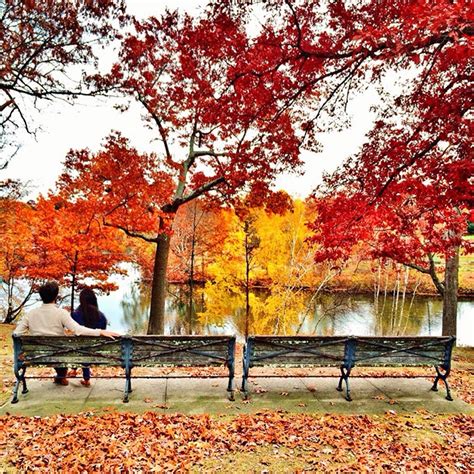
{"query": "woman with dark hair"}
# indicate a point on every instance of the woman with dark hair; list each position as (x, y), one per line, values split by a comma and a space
(88, 315)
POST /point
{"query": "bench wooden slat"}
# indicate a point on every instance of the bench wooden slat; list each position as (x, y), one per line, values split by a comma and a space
(69, 362)
(286, 351)
(187, 351)
(396, 351)
(69, 351)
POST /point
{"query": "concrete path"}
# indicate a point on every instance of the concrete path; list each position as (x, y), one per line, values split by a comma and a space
(193, 396)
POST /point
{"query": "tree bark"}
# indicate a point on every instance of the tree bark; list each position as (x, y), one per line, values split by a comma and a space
(13, 312)
(156, 323)
(450, 297)
(73, 290)
(247, 289)
(191, 269)
(73, 283)
(191, 278)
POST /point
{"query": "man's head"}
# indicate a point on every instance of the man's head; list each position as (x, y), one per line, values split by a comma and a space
(49, 292)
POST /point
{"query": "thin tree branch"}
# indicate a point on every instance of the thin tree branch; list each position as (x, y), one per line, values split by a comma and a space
(131, 233)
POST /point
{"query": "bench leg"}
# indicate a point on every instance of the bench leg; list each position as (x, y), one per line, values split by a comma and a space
(15, 391)
(245, 376)
(128, 384)
(25, 388)
(443, 377)
(230, 386)
(345, 376)
(20, 377)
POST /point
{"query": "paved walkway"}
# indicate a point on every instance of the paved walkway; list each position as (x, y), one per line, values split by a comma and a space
(192, 396)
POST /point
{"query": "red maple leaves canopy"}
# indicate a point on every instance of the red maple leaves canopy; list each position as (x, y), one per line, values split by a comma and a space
(232, 108)
(39, 44)
(181, 70)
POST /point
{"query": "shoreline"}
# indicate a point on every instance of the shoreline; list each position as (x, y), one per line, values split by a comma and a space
(462, 296)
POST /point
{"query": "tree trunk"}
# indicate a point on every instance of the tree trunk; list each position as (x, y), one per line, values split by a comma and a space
(13, 312)
(247, 279)
(156, 323)
(191, 271)
(73, 289)
(73, 283)
(10, 316)
(450, 297)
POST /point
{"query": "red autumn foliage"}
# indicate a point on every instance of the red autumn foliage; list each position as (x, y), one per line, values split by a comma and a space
(179, 68)
(414, 175)
(59, 240)
(39, 42)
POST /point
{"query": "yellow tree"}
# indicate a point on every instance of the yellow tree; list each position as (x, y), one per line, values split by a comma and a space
(282, 263)
(286, 259)
(224, 293)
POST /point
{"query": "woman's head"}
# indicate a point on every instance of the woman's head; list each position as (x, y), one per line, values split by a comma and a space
(87, 298)
(89, 307)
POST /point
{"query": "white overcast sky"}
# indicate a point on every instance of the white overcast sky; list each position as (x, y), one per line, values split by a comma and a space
(87, 123)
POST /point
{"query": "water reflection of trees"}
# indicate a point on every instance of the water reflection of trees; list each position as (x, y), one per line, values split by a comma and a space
(277, 312)
(136, 308)
(283, 312)
(184, 303)
(327, 314)
(407, 316)
(328, 311)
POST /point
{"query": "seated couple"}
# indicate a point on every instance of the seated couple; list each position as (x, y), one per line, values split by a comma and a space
(49, 320)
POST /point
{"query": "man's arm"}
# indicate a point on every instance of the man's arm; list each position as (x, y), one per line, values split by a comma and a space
(79, 330)
(22, 327)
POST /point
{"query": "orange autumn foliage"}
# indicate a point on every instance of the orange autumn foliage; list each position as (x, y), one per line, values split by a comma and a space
(17, 256)
(129, 442)
(74, 244)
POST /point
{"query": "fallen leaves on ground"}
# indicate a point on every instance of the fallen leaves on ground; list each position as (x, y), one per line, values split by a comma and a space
(124, 441)
(463, 383)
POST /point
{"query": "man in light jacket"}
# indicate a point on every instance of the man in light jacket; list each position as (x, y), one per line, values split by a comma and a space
(49, 320)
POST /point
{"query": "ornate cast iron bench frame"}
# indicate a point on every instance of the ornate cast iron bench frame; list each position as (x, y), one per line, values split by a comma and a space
(126, 352)
(347, 353)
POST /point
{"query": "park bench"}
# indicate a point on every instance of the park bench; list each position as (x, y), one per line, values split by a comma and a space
(347, 353)
(126, 352)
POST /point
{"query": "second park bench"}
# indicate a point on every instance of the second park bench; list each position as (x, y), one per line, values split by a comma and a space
(348, 352)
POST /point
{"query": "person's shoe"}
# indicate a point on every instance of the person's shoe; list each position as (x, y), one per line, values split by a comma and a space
(86, 383)
(61, 381)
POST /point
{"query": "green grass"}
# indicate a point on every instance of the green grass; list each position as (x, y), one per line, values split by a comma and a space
(6, 361)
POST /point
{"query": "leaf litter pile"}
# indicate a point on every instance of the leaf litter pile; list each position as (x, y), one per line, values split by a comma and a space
(141, 442)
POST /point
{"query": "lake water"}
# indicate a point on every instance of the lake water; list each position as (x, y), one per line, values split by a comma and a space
(302, 313)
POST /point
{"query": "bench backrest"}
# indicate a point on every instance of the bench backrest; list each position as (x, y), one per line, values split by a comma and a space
(182, 350)
(63, 351)
(348, 351)
(127, 351)
(295, 351)
(403, 351)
